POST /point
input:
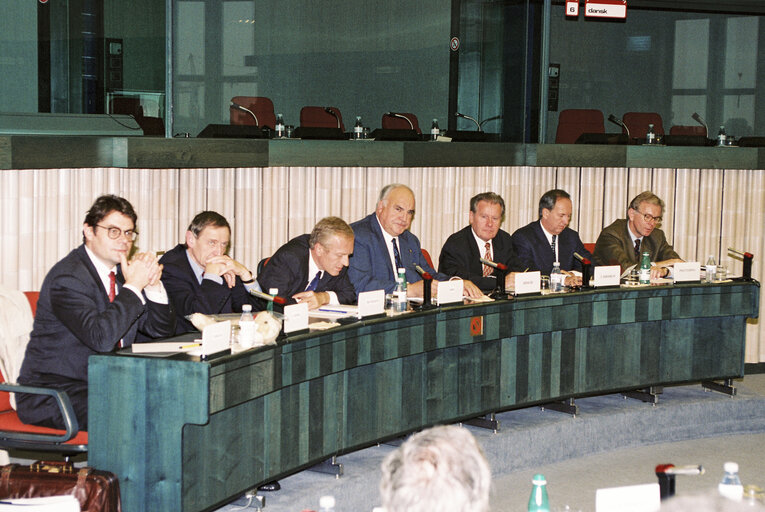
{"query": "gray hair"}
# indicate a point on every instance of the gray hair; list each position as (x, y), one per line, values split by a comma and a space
(489, 197)
(548, 200)
(328, 227)
(646, 197)
(442, 468)
(387, 189)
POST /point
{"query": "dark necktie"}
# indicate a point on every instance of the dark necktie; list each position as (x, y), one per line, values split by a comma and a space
(396, 256)
(112, 286)
(314, 282)
(552, 246)
(637, 248)
(487, 256)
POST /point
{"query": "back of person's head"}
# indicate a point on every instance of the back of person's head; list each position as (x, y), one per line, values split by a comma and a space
(207, 218)
(442, 468)
(328, 227)
(107, 204)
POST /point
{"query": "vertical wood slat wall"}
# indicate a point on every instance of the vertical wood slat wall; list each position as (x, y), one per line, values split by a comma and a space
(707, 210)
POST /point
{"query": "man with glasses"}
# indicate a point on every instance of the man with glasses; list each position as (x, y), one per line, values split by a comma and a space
(625, 240)
(201, 277)
(313, 268)
(95, 300)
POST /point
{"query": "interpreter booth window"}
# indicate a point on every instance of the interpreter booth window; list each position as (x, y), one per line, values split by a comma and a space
(674, 63)
(364, 58)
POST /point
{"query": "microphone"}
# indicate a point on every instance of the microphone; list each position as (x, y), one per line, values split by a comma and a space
(478, 126)
(237, 106)
(489, 119)
(581, 258)
(330, 111)
(400, 116)
(618, 121)
(494, 264)
(741, 254)
(671, 469)
(748, 258)
(424, 273)
(696, 117)
(271, 298)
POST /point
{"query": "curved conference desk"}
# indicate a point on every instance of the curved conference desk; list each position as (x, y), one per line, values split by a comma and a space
(182, 434)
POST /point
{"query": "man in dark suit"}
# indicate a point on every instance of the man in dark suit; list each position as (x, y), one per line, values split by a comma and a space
(313, 268)
(201, 278)
(92, 301)
(383, 243)
(549, 239)
(623, 241)
(482, 238)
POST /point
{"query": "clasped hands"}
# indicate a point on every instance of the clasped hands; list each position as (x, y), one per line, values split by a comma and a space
(228, 268)
(142, 271)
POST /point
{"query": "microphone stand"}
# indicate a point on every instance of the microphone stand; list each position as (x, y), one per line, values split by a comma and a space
(748, 257)
(619, 122)
(237, 106)
(395, 114)
(586, 269)
(477, 124)
(426, 284)
(696, 117)
(330, 111)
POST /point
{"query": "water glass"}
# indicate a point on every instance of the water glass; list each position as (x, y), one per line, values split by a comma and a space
(544, 285)
(722, 273)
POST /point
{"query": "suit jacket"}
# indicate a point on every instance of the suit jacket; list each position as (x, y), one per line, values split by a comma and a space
(460, 256)
(287, 270)
(536, 254)
(614, 246)
(75, 320)
(371, 268)
(189, 297)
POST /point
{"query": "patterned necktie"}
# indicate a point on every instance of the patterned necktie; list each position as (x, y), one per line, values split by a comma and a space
(396, 256)
(314, 282)
(112, 286)
(637, 248)
(552, 246)
(487, 270)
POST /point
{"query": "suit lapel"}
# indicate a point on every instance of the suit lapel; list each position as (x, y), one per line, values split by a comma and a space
(97, 283)
(546, 258)
(382, 246)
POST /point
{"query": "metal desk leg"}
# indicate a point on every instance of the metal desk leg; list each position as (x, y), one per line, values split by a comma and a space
(329, 466)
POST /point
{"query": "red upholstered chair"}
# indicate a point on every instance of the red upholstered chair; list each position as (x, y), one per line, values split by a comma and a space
(428, 259)
(262, 107)
(688, 130)
(318, 117)
(390, 121)
(590, 247)
(131, 105)
(574, 122)
(17, 435)
(638, 122)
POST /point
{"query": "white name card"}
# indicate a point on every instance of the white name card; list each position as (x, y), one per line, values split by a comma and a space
(371, 303)
(295, 317)
(631, 498)
(686, 271)
(607, 276)
(450, 291)
(215, 338)
(527, 282)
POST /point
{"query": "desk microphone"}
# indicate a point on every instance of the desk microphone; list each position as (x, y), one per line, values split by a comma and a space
(400, 116)
(618, 121)
(494, 264)
(748, 258)
(330, 111)
(582, 258)
(237, 106)
(489, 119)
(424, 273)
(271, 298)
(477, 125)
(671, 469)
(696, 117)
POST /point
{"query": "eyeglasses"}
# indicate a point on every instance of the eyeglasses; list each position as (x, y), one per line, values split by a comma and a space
(650, 218)
(114, 233)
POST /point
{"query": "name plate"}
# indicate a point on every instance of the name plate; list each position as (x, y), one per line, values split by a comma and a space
(450, 291)
(607, 276)
(686, 271)
(527, 282)
(372, 303)
(295, 317)
(215, 338)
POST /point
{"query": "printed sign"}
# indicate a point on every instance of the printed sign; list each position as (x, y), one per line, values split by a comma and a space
(605, 9)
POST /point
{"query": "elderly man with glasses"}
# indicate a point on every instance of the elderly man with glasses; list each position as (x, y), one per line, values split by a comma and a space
(623, 242)
(95, 300)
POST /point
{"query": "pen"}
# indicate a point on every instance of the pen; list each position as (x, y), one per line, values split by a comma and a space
(190, 345)
(331, 310)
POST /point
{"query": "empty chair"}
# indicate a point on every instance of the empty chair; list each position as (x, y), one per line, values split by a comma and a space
(131, 105)
(396, 121)
(321, 117)
(574, 122)
(637, 123)
(262, 107)
(688, 130)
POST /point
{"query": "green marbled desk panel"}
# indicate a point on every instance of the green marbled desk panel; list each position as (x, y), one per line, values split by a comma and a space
(275, 410)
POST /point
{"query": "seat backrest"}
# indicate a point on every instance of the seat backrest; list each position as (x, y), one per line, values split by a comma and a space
(390, 122)
(262, 107)
(129, 105)
(318, 117)
(688, 130)
(428, 259)
(590, 246)
(638, 122)
(16, 317)
(574, 122)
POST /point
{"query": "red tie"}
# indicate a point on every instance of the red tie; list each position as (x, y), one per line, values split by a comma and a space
(112, 286)
(487, 270)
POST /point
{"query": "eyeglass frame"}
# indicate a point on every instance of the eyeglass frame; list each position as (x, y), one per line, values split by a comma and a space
(650, 218)
(133, 234)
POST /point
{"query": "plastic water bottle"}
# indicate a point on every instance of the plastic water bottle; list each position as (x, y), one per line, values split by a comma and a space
(247, 327)
(730, 485)
(645, 269)
(711, 267)
(399, 295)
(327, 504)
(721, 136)
(358, 129)
(538, 501)
(279, 128)
(650, 136)
(434, 131)
(557, 279)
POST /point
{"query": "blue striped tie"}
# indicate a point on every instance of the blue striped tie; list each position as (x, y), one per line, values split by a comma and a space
(314, 282)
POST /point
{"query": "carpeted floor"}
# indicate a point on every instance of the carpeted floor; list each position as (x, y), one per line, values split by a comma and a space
(612, 442)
